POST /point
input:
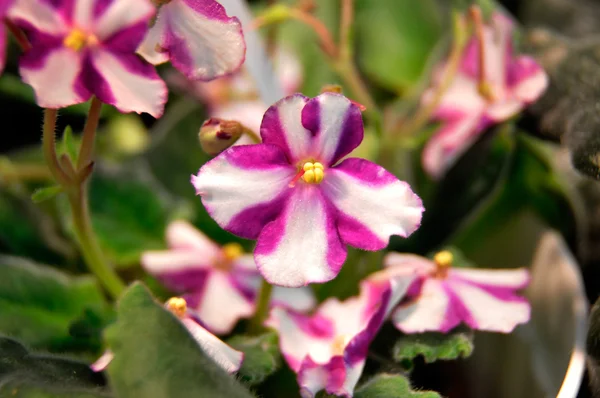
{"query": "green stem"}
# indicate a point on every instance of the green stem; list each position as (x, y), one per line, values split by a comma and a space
(89, 134)
(262, 307)
(349, 74)
(88, 244)
(49, 147)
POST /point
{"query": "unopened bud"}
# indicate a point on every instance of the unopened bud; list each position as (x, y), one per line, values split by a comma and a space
(216, 135)
(332, 88)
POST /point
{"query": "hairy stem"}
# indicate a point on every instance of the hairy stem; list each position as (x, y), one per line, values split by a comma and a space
(262, 307)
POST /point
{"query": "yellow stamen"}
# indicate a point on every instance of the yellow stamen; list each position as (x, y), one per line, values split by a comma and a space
(443, 261)
(232, 251)
(339, 344)
(313, 172)
(78, 39)
(177, 306)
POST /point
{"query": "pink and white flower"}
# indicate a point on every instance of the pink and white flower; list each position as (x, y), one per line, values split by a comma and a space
(442, 297)
(295, 195)
(223, 355)
(197, 37)
(4, 7)
(328, 349)
(491, 85)
(82, 48)
(220, 283)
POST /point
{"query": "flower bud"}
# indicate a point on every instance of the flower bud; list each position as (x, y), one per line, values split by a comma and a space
(216, 135)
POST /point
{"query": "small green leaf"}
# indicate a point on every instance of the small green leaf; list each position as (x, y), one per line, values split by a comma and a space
(39, 304)
(391, 386)
(69, 146)
(433, 346)
(43, 194)
(155, 356)
(261, 356)
(23, 374)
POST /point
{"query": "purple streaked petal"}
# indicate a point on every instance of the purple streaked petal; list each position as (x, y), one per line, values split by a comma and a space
(55, 77)
(225, 356)
(445, 147)
(372, 204)
(432, 310)
(502, 278)
(83, 13)
(400, 264)
(282, 126)
(3, 41)
(122, 15)
(336, 126)
(486, 311)
(248, 113)
(178, 270)
(222, 304)
(245, 187)
(39, 15)
(299, 299)
(183, 235)
(126, 40)
(202, 42)
(301, 336)
(302, 245)
(314, 377)
(134, 84)
(527, 79)
(147, 48)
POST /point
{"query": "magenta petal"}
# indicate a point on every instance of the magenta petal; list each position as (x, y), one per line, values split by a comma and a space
(527, 79)
(302, 245)
(245, 187)
(371, 203)
(336, 125)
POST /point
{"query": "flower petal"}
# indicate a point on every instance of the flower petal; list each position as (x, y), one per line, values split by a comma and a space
(331, 377)
(527, 79)
(460, 99)
(372, 204)
(40, 15)
(120, 15)
(336, 125)
(445, 147)
(3, 42)
(490, 312)
(102, 362)
(148, 46)
(183, 235)
(54, 76)
(401, 264)
(179, 270)
(221, 304)
(501, 278)
(299, 299)
(202, 41)
(302, 245)
(129, 83)
(245, 187)
(225, 356)
(301, 336)
(282, 126)
(432, 310)
(248, 113)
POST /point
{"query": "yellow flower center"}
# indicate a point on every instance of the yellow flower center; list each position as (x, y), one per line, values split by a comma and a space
(78, 39)
(339, 344)
(177, 306)
(443, 261)
(313, 172)
(232, 251)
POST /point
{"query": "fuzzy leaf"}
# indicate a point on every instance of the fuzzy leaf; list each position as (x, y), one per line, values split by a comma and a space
(261, 356)
(69, 146)
(23, 374)
(39, 304)
(155, 356)
(43, 194)
(391, 386)
(433, 346)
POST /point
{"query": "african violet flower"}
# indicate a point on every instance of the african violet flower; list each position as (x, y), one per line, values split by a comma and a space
(4, 7)
(294, 195)
(443, 297)
(197, 37)
(220, 283)
(328, 349)
(491, 85)
(223, 355)
(82, 48)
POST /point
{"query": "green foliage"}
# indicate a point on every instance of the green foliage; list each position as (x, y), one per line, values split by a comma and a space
(40, 304)
(433, 346)
(261, 356)
(45, 193)
(394, 39)
(156, 357)
(23, 374)
(391, 386)
(69, 146)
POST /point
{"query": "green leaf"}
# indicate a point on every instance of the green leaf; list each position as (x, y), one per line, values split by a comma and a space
(43, 194)
(433, 346)
(39, 304)
(23, 374)
(391, 386)
(68, 144)
(395, 38)
(155, 356)
(261, 356)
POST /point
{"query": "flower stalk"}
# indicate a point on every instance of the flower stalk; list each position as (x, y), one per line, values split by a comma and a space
(262, 307)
